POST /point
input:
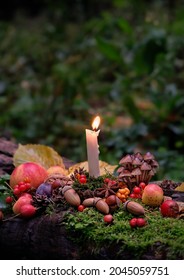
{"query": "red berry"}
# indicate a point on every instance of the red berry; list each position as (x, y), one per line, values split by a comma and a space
(132, 195)
(113, 182)
(137, 190)
(106, 180)
(81, 208)
(82, 180)
(22, 188)
(108, 218)
(133, 222)
(28, 186)
(142, 185)
(141, 222)
(9, 199)
(16, 191)
(21, 184)
(135, 195)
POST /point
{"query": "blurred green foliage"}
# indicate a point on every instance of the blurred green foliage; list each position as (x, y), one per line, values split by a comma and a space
(120, 60)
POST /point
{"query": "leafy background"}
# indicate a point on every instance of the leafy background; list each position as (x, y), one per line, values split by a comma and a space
(61, 66)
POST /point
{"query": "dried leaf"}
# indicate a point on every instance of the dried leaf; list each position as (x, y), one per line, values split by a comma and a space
(180, 188)
(44, 155)
(181, 207)
(104, 167)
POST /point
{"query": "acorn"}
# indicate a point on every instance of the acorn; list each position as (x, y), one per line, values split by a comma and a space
(88, 202)
(134, 208)
(101, 205)
(71, 196)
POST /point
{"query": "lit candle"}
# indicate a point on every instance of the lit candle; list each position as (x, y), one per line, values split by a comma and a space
(93, 148)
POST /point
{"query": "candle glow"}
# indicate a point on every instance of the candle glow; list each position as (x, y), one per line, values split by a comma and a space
(96, 123)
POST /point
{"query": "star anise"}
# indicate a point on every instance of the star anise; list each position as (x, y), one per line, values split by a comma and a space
(108, 188)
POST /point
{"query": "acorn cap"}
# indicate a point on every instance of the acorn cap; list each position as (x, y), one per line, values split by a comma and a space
(96, 199)
(125, 204)
(66, 188)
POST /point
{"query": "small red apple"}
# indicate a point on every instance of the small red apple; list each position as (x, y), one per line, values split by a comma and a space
(152, 195)
(169, 208)
(57, 169)
(20, 202)
(31, 171)
(26, 195)
(27, 210)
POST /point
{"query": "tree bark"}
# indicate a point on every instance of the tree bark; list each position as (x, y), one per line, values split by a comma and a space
(7, 150)
(42, 237)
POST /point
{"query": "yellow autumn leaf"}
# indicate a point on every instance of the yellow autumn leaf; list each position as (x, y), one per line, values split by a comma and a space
(180, 188)
(44, 155)
(104, 167)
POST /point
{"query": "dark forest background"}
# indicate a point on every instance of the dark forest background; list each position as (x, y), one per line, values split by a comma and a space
(63, 62)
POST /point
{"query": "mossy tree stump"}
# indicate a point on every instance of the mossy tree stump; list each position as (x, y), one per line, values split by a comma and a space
(45, 236)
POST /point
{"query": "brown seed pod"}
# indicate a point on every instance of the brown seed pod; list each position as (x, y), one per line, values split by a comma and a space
(101, 205)
(134, 208)
(88, 202)
(113, 200)
(71, 196)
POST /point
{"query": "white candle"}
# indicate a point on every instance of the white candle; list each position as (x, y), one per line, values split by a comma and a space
(93, 148)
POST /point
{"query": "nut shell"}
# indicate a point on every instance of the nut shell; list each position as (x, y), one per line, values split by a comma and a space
(88, 202)
(71, 196)
(134, 208)
(101, 205)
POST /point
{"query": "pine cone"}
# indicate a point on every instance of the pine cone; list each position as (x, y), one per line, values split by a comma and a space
(41, 202)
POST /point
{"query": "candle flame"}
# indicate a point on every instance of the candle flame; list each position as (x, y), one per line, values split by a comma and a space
(96, 123)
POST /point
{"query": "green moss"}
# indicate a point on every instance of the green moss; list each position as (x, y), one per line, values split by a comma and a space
(163, 236)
